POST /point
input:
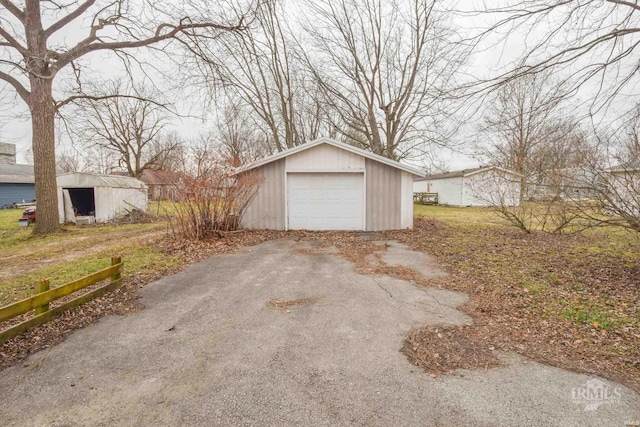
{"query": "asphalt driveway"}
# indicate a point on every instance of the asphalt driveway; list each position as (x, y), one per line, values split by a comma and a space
(287, 333)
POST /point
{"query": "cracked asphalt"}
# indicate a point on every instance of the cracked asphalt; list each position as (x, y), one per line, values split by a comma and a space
(210, 349)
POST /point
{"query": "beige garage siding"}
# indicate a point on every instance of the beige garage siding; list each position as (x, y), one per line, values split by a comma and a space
(383, 196)
(266, 211)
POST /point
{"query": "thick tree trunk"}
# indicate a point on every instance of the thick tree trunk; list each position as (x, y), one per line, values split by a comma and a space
(42, 108)
(44, 157)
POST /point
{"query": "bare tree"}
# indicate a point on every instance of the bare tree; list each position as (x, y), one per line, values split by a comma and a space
(262, 69)
(130, 126)
(523, 124)
(239, 142)
(385, 68)
(590, 42)
(69, 161)
(166, 152)
(611, 178)
(33, 55)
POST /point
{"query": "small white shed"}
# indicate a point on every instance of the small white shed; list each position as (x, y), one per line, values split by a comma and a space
(90, 197)
(485, 186)
(329, 185)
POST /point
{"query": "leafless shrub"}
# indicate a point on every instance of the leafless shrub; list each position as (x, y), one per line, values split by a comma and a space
(212, 204)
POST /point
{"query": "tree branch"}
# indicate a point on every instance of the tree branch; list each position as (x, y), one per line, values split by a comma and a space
(15, 11)
(67, 19)
(74, 98)
(88, 44)
(20, 89)
(11, 42)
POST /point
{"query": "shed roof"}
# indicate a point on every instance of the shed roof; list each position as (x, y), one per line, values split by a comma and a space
(19, 174)
(88, 180)
(465, 173)
(336, 144)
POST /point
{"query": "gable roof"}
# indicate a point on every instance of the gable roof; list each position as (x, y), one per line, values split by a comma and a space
(14, 173)
(159, 177)
(465, 173)
(337, 144)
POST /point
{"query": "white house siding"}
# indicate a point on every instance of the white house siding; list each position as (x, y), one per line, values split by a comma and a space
(421, 187)
(449, 190)
(324, 158)
(406, 200)
(267, 209)
(383, 197)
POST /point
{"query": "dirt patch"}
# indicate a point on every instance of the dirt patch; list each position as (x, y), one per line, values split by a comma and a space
(287, 304)
(441, 350)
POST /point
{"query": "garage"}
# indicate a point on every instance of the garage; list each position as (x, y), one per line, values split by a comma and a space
(329, 185)
(325, 201)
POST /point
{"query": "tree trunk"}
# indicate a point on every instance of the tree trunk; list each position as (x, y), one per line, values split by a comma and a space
(44, 157)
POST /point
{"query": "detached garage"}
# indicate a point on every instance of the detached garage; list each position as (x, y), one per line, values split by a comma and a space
(329, 185)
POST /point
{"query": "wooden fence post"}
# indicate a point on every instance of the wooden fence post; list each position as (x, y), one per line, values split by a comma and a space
(114, 261)
(42, 286)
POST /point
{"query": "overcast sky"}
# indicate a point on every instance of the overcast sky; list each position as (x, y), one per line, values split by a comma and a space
(489, 60)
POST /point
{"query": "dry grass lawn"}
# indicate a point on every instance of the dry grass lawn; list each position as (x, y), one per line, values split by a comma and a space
(569, 300)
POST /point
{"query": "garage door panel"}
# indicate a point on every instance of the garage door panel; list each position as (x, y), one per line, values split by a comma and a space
(325, 201)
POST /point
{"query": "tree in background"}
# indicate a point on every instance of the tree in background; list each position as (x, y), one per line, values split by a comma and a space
(130, 126)
(259, 70)
(590, 42)
(385, 69)
(33, 55)
(238, 140)
(526, 128)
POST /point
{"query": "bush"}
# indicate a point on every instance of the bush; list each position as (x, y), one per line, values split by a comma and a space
(208, 206)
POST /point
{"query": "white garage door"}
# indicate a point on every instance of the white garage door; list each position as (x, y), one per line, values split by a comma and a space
(325, 201)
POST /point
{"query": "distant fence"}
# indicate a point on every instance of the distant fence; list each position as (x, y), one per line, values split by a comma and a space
(40, 301)
(426, 198)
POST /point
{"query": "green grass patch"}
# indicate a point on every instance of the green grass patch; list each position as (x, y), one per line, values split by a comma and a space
(137, 260)
(587, 317)
(458, 215)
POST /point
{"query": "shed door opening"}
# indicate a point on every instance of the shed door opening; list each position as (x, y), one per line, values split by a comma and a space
(83, 201)
(325, 201)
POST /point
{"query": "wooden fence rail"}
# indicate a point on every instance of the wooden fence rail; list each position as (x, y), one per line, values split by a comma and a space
(40, 301)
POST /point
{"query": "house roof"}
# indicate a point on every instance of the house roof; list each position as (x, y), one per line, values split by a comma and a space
(19, 174)
(336, 144)
(88, 180)
(465, 173)
(159, 177)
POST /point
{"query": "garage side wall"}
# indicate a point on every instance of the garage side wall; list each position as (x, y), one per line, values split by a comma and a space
(111, 203)
(384, 185)
(266, 210)
(406, 200)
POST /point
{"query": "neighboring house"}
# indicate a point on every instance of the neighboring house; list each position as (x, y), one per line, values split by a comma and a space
(484, 186)
(163, 184)
(89, 197)
(623, 191)
(17, 184)
(329, 185)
